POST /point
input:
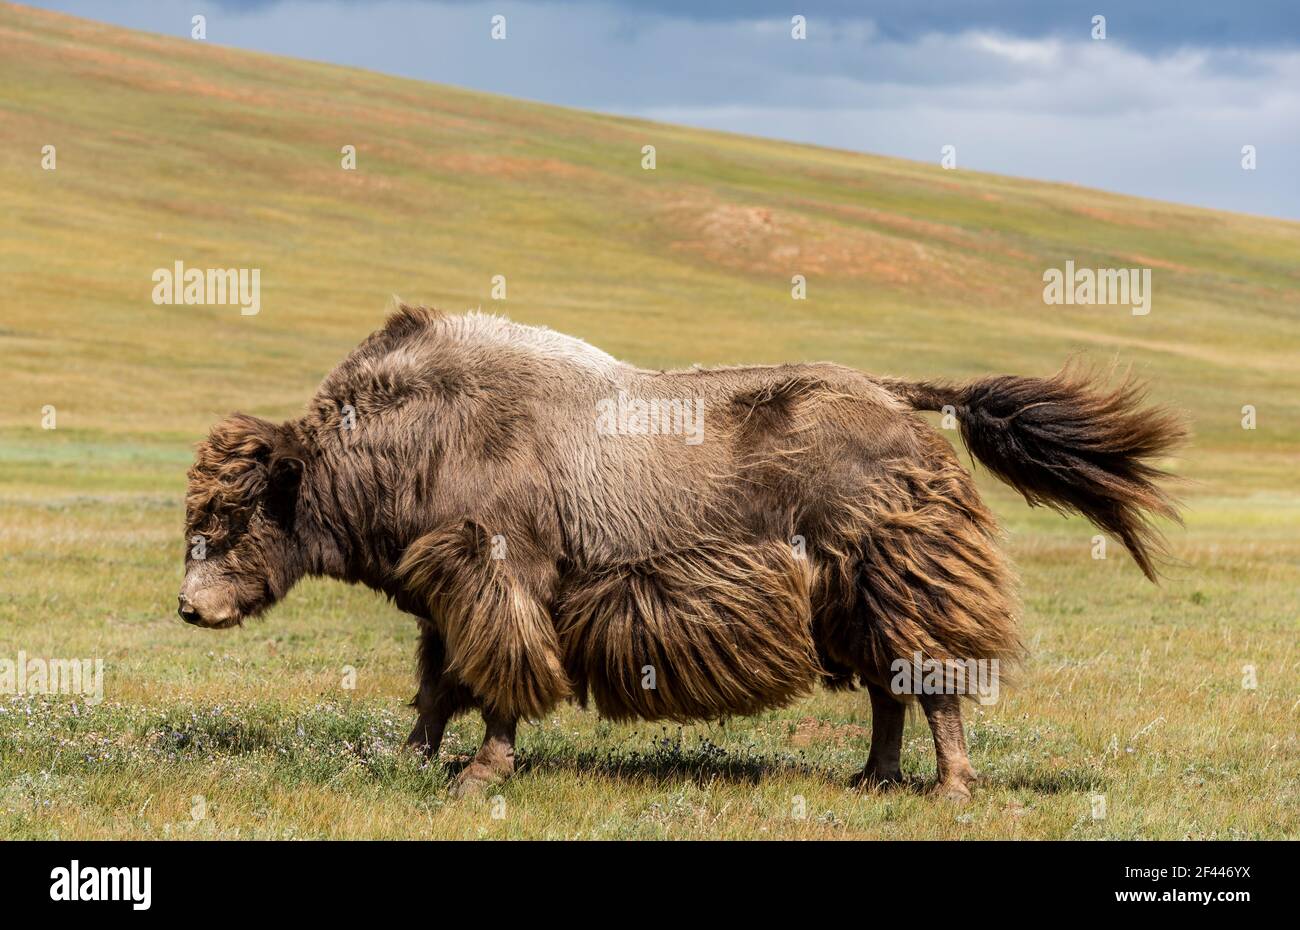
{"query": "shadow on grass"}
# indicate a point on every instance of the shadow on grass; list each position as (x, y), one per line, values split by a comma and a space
(327, 740)
(669, 760)
(1069, 781)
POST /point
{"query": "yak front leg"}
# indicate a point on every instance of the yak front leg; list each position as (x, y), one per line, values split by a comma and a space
(495, 759)
(883, 762)
(955, 771)
(492, 603)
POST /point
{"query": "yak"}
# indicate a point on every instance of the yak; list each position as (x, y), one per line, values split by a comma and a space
(670, 545)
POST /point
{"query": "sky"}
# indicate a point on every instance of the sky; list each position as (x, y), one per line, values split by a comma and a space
(1161, 107)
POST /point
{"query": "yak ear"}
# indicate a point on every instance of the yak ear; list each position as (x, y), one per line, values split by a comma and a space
(243, 436)
(282, 489)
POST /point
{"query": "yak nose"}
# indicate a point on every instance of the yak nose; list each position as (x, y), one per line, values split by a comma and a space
(186, 609)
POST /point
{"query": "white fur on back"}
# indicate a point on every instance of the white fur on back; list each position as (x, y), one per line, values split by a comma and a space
(485, 328)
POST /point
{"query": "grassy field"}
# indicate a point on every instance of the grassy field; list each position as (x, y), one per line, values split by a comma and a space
(169, 149)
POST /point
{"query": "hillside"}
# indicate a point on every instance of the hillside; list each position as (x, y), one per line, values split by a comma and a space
(173, 150)
(169, 150)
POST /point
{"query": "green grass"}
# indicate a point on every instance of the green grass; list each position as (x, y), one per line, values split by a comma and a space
(174, 150)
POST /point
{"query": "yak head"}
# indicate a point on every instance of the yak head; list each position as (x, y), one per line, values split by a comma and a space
(240, 509)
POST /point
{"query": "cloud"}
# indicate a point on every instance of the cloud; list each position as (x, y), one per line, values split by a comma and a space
(1158, 24)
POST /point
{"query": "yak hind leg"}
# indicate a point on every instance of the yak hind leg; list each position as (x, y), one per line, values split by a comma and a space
(955, 771)
(495, 760)
(883, 762)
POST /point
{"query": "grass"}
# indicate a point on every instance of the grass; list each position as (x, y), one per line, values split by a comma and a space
(175, 150)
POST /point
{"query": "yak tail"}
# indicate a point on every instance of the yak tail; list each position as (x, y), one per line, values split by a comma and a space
(1069, 444)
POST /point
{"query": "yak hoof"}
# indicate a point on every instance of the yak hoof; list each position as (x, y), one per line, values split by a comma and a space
(952, 789)
(475, 780)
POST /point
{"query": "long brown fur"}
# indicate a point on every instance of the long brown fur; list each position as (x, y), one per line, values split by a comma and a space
(497, 634)
(821, 530)
(724, 629)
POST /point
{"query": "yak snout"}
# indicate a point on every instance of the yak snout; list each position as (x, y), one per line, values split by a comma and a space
(187, 610)
(202, 612)
(207, 605)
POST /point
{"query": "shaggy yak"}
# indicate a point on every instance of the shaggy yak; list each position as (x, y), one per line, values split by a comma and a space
(677, 545)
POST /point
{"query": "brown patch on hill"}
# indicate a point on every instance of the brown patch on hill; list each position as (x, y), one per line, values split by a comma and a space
(109, 66)
(773, 241)
(1149, 262)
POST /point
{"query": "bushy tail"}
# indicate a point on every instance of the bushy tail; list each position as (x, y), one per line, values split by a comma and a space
(1064, 442)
